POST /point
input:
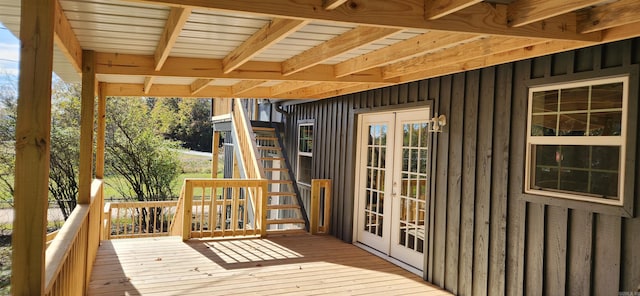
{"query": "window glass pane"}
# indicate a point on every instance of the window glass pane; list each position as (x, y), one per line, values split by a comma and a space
(371, 135)
(383, 135)
(574, 156)
(606, 185)
(574, 180)
(606, 96)
(574, 99)
(304, 169)
(606, 124)
(572, 124)
(546, 177)
(543, 125)
(306, 138)
(424, 134)
(605, 157)
(545, 101)
(415, 128)
(547, 155)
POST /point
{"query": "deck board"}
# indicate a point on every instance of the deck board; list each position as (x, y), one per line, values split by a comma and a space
(287, 265)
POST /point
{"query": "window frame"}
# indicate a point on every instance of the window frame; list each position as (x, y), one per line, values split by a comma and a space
(300, 153)
(625, 205)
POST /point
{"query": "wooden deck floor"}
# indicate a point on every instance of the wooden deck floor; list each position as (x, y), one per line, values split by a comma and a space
(295, 265)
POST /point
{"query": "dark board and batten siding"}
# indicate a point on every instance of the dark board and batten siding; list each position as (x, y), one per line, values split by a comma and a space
(484, 238)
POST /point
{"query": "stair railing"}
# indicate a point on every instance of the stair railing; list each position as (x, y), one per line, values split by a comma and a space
(248, 159)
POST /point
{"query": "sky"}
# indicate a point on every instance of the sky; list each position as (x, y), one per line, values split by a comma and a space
(9, 55)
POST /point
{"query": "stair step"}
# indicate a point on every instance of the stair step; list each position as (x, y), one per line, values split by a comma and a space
(269, 148)
(280, 181)
(281, 194)
(263, 129)
(276, 169)
(261, 138)
(285, 221)
(271, 158)
(282, 207)
(286, 231)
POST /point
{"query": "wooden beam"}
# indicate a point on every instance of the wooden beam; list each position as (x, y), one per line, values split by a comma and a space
(245, 86)
(288, 86)
(350, 40)
(609, 15)
(85, 170)
(419, 45)
(180, 91)
(347, 90)
(66, 39)
(523, 12)
(271, 33)
(481, 48)
(482, 18)
(215, 150)
(33, 133)
(148, 82)
(313, 90)
(139, 65)
(475, 62)
(176, 21)
(332, 4)
(435, 9)
(197, 85)
(101, 130)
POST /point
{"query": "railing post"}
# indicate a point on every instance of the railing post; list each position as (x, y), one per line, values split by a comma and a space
(264, 190)
(315, 206)
(316, 185)
(186, 214)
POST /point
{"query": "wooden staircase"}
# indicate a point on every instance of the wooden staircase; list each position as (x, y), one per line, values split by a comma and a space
(284, 213)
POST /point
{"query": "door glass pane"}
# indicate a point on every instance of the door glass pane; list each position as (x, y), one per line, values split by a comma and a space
(376, 169)
(411, 220)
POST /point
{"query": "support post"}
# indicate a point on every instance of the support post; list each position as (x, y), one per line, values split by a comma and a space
(214, 154)
(33, 133)
(102, 126)
(85, 171)
(186, 216)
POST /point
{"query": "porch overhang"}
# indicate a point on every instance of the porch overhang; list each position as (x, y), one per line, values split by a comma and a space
(311, 49)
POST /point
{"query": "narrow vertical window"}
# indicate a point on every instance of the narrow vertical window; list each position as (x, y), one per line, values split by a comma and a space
(305, 153)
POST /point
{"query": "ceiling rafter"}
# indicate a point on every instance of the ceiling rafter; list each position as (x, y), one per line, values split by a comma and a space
(332, 4)
(609, 15)
(142, 65)
(352, 39)
(347, 90)
(66, 39)
(245, 86)
(313, 90)
(523, 12)
(476, 49)
(288, 86)
(419, 45)
(481, 18)
(174, 90)
(273, 32)
(198, 85)
(175, 22)
(434, 9)
(148, 82)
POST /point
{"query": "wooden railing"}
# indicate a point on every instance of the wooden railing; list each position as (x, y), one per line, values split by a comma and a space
(224, 208)
(246, 142)
(138, 219)
(320, 206)
(176, 225)
(69, 258)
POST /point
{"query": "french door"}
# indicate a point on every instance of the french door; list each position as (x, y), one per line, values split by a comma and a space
(393, 184)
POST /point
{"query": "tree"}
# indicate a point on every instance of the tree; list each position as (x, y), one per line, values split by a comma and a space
(146, 161)
(184, 120)
(8, 109)
(65, 146)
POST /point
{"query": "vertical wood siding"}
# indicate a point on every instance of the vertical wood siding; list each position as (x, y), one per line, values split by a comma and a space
(483, 239)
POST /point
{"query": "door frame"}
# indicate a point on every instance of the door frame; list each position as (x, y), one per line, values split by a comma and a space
(431, 167)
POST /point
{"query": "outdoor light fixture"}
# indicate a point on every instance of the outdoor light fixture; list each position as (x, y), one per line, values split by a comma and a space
(437, 123)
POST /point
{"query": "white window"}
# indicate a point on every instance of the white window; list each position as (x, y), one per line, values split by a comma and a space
(305, 153)
(576, 140)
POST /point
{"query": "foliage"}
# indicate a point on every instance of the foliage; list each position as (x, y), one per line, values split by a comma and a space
(147, 162)
(8, 95)
(65, 146)
(184, 120)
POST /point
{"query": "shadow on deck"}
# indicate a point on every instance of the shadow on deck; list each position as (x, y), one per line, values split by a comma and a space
(296, 265)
